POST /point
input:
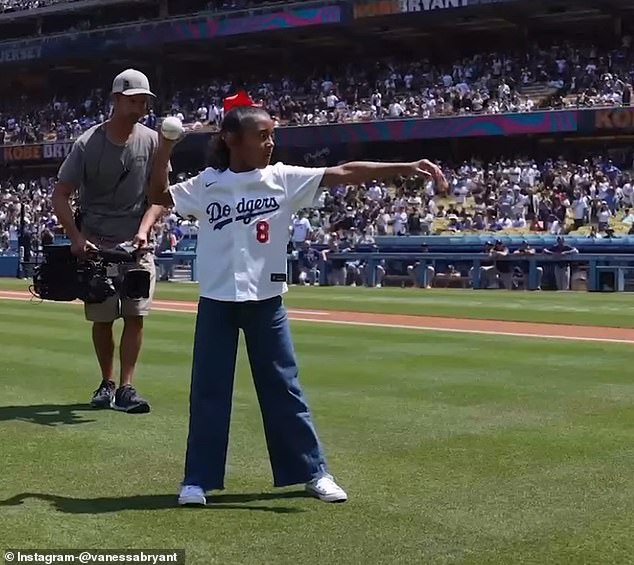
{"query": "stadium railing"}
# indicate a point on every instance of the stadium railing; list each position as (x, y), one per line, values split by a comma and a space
(614, 257)
(615, 264)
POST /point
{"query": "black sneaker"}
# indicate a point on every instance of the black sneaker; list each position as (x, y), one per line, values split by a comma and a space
(103, 397)
(127, 400)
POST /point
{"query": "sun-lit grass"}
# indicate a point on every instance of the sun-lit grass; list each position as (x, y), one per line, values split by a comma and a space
(455, 449)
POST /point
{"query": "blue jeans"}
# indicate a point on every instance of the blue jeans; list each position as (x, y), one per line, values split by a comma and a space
(294, 449)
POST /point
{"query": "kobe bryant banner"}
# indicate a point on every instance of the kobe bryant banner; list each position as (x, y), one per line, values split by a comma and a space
(369, 8)
(55, 151)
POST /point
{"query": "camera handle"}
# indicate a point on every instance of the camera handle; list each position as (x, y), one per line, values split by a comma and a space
(129, 247)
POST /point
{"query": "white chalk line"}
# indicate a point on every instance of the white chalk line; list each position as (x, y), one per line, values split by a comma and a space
(311, 313)
(295, 318)
(465, 331)
(159, 304)
(303, 312)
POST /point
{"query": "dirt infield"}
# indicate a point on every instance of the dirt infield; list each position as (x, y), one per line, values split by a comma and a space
(427, 323)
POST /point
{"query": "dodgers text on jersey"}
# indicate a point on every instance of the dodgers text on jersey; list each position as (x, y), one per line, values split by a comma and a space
(221, 215)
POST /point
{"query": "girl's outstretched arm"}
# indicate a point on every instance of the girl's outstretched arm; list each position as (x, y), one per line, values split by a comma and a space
(357, 172)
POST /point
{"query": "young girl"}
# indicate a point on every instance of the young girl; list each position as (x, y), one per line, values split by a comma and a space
(244, 206)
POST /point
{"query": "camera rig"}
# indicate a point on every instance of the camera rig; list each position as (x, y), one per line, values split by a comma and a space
(62, 277)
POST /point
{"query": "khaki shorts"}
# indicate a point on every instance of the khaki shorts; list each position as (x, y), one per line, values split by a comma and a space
(115, 307)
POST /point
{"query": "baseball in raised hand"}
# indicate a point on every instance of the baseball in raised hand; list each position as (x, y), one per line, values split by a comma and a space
(172, 129)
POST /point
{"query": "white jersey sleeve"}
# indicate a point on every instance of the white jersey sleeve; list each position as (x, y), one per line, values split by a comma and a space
(302, 185)
(187, 197)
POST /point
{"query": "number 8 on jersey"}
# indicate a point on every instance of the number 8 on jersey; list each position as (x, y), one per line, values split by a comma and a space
(262, 231)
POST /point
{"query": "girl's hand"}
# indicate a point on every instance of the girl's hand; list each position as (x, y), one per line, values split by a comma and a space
(429, 169)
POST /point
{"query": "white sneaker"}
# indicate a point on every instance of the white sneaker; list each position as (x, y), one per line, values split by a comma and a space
(192, 494)
(325, 488)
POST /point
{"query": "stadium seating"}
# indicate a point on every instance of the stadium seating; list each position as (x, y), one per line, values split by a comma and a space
(542, 199)
(547, 77)
(507, 198)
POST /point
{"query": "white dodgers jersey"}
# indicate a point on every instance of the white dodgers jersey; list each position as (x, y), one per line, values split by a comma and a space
(244, 226)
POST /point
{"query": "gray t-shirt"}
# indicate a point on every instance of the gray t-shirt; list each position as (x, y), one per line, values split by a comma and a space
(111, 180)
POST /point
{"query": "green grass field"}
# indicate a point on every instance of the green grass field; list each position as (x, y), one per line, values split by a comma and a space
(454, 449)
(577, 308)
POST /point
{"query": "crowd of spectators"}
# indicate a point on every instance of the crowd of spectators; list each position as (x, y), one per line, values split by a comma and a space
(225, 5)
(593, 198)
(18, 5)
(360, 91)
(23, 121)
(555, 197)
(215, 5)
(34, 198)
(94, 20)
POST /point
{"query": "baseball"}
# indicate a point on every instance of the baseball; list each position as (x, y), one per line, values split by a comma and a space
(172, 128)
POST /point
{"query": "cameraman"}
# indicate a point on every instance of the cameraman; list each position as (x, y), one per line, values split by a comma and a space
(109, 168)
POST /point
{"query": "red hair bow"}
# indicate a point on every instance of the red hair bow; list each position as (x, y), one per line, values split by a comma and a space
(241, 98)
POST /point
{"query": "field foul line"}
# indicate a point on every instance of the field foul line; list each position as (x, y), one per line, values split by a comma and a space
(304, 312)
(464, 331)
(296, 316)
(17, 295)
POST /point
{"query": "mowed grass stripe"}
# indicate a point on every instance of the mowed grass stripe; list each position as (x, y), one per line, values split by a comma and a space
(455, 449)
(579, 308)
(546, 307)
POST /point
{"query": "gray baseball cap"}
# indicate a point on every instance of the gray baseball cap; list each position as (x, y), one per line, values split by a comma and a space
(131, 82)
